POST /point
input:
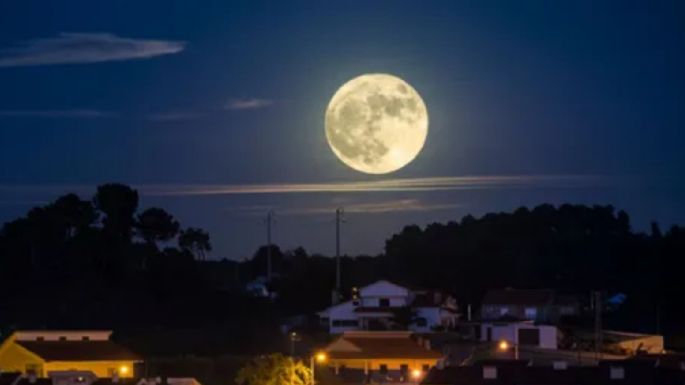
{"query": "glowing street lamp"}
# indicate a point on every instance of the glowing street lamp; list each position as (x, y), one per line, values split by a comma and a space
(123, 370)
(504, 346)
(319, 358)
(416, 374)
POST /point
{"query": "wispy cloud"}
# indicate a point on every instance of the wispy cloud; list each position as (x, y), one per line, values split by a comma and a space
(77, 113)
(174, 116)
(248, 104)
(390, 206)
(75, 48)
(403, 184)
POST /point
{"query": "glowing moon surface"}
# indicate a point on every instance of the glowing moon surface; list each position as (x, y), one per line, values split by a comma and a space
(376, 123)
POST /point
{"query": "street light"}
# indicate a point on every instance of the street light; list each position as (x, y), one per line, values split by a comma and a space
(504, 346)
(416, 374)
(320, 358)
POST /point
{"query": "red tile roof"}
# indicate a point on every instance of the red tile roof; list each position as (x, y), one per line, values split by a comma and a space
(385, 347)
(79, 350)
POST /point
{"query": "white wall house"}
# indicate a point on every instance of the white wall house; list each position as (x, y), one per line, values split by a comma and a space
(373, 307)
(524, 333)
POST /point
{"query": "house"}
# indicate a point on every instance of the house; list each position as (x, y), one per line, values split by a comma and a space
(506, 372)
(524, 304)
(380, 356)
(521, 333)
(376, 307)
(40, 353)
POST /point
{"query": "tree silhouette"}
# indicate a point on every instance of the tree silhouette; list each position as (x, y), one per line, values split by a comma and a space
(118, 202)
(195, 241)
(156, 225)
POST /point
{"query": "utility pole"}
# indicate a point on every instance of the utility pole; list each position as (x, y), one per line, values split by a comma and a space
(338, 217)
(337, 290)
(269, 220)
(598, 324)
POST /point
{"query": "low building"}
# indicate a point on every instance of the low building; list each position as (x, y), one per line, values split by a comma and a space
(376, 307)
(381, 356)
(505, 372)
(521, 333)
(544, 306)
(40, 353)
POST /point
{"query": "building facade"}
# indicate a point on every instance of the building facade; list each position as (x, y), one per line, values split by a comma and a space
(543, 306)
(382, 356)
(40, 353)
(376, 307)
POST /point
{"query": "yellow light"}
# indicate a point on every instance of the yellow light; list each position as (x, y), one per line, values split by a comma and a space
(504, 345)
(123, 370)
(321, 357)
(416, 373)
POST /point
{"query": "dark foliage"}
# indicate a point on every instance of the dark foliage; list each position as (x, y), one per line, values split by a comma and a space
(76, 263)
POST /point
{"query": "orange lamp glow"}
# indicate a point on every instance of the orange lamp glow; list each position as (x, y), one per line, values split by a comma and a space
(321, 357)
(503, 345)
(123, 370)
(416, 374)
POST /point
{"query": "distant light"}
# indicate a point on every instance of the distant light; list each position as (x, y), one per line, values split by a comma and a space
(123, 369)
(416, 373)
(321, 357)
(503, 345)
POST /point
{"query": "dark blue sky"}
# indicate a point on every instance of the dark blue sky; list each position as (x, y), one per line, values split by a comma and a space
(579, 102)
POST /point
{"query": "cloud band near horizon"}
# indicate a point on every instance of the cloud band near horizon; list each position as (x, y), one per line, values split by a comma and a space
(83, 48)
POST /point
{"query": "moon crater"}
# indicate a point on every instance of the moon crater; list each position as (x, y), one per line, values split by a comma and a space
(376, 123)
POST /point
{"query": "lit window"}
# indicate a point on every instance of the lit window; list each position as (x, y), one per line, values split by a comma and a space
(531, 313)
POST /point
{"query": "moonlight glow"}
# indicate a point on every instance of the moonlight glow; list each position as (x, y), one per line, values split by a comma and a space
(376, 123)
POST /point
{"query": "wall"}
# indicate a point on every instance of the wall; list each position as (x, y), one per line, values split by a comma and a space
(508, 332)
(14, 358)
(100, 368)
(375, 363)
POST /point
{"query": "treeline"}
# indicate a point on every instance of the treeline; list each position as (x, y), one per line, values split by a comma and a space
(105, 262)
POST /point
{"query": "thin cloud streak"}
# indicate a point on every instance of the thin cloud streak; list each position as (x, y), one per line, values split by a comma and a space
(381, 207)
(82, 48)
(248, 104)
(392, 206)
(404, 184)
(174, 116)
(79, 113)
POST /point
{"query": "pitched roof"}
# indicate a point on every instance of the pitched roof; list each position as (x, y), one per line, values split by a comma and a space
(380, 345)
(78, 350)
(519, 297)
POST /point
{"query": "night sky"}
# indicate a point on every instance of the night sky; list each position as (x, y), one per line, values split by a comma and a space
(214, 110)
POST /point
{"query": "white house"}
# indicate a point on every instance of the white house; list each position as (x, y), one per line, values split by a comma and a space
(375, 307)
(524, 333)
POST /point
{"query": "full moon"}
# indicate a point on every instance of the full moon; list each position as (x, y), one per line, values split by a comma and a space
(376, 123)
